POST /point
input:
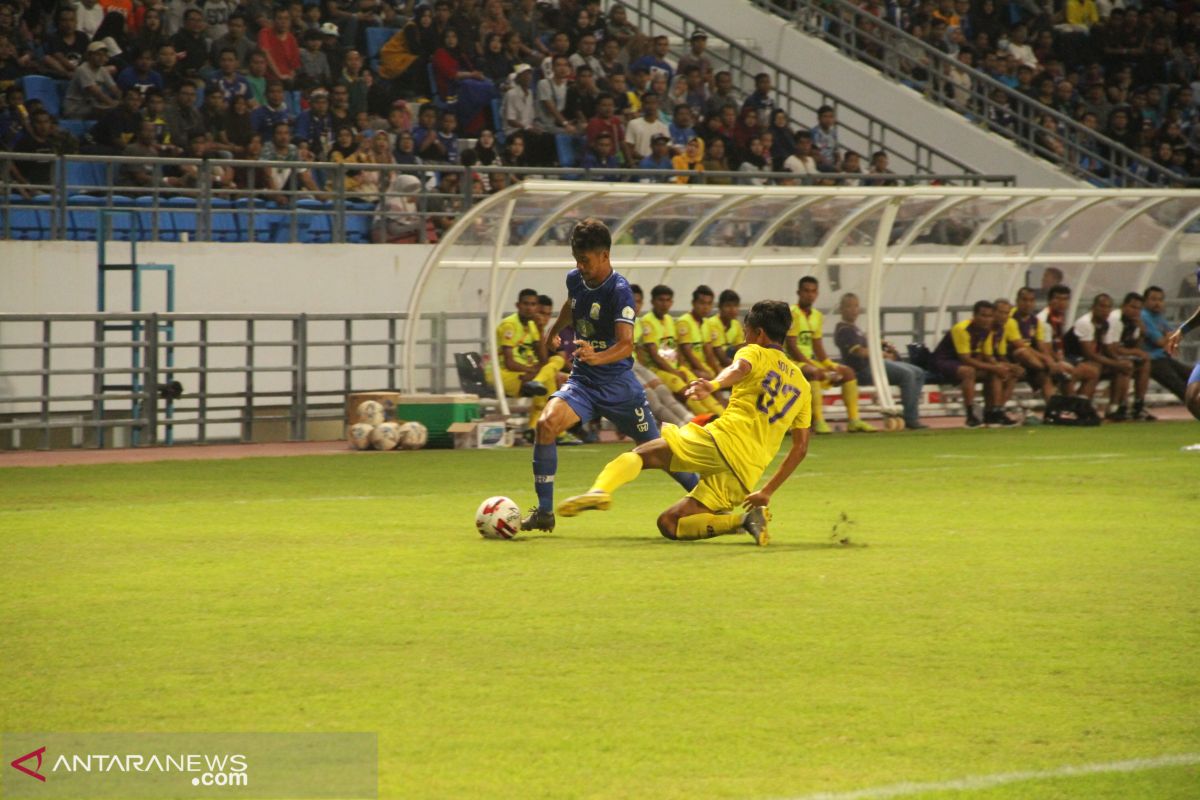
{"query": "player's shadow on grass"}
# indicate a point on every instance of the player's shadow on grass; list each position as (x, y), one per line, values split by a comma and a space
(659, 541)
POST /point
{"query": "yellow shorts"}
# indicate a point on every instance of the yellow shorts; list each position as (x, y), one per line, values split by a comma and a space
(693, 450)
(828, 363)
(512, 380)
(672, 381)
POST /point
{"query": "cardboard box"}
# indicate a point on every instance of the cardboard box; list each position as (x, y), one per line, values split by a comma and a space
(484, 434)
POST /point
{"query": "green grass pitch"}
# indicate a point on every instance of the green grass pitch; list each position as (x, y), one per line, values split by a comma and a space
(1007, 601)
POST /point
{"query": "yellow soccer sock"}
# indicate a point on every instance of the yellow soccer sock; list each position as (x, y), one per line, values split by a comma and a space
(706, 526)
(850, 398)
(818, 406)
(618, 472)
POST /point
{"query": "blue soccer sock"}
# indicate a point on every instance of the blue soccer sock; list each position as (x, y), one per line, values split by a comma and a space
(687, 480)
(545, 465)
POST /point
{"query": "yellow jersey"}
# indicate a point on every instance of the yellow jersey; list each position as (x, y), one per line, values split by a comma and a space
(687, 331)
(714, 332)
(1007, 339)
(522, 338)
(661, 334)
(771, 400)
(806, 328)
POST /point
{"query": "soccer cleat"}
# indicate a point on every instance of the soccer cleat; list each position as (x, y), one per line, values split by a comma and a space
(1141, 414)
(533, 389)
(754, 522)
(915, 426)
(973, 420)
(592, 501)
(1119, 415)
(538, 520)
(821, 426)
(858, 426)
(1006, 420)
(566, 439)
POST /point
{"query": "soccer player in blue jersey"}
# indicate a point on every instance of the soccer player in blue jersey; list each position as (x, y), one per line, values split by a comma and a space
(600, 309)
(1171, 345)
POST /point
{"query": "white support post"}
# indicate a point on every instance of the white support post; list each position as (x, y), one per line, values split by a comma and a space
(874, 323)
(494, 303)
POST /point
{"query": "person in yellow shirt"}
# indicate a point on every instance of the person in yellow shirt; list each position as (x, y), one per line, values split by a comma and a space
(657, 351)
(1023, 335)
(689, 340)
(722, 333)
(523, 370)
(1007, 346)
(806, 347)
(770, 399)
(965, 355)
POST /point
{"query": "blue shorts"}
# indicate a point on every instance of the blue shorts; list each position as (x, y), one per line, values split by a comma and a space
(620, 401)
(1195, 376)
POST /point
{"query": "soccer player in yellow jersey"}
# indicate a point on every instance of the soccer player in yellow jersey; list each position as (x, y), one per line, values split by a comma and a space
(770, 398)
(523, 372)
(657, 351)
(722, 334)
(806, 347)
(689, 342)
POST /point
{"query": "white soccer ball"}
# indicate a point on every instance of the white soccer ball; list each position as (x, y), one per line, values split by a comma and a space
(413, 436)
(359, 435)
(498, 518)
(385, 436)
(370, 412)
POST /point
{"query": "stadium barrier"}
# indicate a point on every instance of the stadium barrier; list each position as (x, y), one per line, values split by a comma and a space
(259, 377)
(413, 205)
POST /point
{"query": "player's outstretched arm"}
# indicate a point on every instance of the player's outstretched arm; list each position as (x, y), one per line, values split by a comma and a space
(564, 319)
(799, 450)
(729, 376)
(1171, 345)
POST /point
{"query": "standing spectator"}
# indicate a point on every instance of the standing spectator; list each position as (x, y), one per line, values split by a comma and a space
(280, 48)
(762, 99)
(552, 99)
(802, 161)
(825, 139)
(66, 48)
(234, 39)
(696, 56)
(656, 62)
(314, 67)
(1128, 338)
(191, 46)
(1088, 345)
(1169, 372)
(964, 355)
(140, 74)
(855, 352)
(456, 76)
(690, 160)
(641, 131)
(92, 90)
(271, 113)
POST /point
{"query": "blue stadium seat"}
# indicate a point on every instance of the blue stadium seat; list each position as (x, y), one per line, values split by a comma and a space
(311, 227)
(256, 227)
(564, 144)
(82, 175)
(30, 220)
(223, 221)
(358, 222)
(146, 217)
(77, 127)
(293, 103)
(122, 219)
(40, 87)
(82, 217)
(376, 39)
(497, 120)
(180, 218)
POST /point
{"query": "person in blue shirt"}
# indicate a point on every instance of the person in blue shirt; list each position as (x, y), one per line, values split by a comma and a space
(601, 311)
(601, 156)
(656, 63)
(681, 128)
(659, 158)
(140, 74)
(1170, 372)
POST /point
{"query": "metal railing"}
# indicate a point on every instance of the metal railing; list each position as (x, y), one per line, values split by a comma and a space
(1080, 151)
(207, 207)
(796, 93)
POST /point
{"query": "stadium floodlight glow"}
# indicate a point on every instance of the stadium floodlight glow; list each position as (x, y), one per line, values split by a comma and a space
(972, 239)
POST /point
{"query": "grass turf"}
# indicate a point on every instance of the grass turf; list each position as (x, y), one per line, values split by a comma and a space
(1007, 601)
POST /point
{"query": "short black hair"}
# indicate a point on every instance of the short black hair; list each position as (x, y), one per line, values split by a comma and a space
(590, 235)
(545, 300)
(728, 296)
(1131, 296)
(1101, 296)
(1150, 289)
(980, 305)
(701, 291)
(1025, 290)
(808, 279)
(662, 290)
(636, 289)
(1058, 289)
(772, 317)
(824, 109)
(526, 293)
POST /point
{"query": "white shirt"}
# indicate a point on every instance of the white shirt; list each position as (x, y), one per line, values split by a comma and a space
(88, 19)
(1085, 329)
(1023, 54)
(578, 60)
(800, 166)
(550, 92)
(639, 132)
(517, 105)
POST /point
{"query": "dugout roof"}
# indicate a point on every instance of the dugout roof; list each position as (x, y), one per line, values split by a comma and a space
(957, 244)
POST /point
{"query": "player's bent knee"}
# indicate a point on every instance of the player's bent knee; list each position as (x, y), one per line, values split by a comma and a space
(667, 524)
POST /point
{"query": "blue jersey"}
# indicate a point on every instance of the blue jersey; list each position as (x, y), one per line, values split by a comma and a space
(596, 314)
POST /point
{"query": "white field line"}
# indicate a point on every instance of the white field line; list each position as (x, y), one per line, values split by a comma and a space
(974, 783)
(1095, 458)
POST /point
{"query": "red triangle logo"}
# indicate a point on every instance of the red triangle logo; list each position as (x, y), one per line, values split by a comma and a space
(31, 772)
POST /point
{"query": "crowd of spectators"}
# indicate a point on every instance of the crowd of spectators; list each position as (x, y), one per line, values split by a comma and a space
(1128, 71)
(470, 82)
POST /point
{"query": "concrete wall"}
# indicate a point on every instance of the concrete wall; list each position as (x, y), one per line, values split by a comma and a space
(898, 105)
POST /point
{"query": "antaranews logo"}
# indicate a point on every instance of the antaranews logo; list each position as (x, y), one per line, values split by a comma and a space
(33, 773)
